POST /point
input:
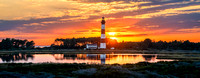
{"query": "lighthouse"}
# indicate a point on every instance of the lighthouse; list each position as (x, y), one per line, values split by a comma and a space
(103, 36)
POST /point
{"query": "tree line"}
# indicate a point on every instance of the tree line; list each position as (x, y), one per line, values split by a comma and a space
(147, 44)
(80, 43)
(74, 43)
(16, 44)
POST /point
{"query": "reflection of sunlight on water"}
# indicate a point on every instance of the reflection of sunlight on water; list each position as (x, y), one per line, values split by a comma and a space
(89, 58)
(154, 60)
(108, 58)
(123, 59)
(58, 56)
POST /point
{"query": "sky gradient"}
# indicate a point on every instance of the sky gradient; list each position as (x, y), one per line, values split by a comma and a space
(130, 20)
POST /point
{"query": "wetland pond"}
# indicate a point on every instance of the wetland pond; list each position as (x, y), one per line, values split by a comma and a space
(82, 58)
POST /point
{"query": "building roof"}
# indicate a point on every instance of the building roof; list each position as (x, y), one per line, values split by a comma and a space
(92, 44)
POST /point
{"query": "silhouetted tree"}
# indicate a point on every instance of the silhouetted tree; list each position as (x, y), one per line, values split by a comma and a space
(30, 45)
(6, 44)
(10, 44)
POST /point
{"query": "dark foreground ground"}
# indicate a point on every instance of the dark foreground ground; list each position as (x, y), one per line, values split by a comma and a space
(140, 70)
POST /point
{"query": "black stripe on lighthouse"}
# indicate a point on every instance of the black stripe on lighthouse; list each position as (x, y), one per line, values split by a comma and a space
(102, 31)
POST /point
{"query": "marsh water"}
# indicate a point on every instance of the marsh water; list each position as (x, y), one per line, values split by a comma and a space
(80, 58)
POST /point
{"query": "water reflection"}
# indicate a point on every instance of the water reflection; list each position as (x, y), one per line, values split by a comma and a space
(80, 58)
(15, 57)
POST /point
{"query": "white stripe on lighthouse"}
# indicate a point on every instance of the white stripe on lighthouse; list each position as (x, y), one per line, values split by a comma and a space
(102, 26)
(103, 36)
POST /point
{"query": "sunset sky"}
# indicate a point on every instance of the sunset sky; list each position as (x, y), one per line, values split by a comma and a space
(130, 20)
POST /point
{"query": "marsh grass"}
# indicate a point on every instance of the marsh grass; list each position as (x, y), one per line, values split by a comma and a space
(174, 69)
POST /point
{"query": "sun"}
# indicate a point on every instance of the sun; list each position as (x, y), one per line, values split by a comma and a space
(111, 33)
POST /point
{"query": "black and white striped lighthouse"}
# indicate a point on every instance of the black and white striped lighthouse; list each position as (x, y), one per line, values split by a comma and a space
(103, 36)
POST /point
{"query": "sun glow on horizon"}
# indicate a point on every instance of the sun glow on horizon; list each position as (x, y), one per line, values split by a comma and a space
(114, 38)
